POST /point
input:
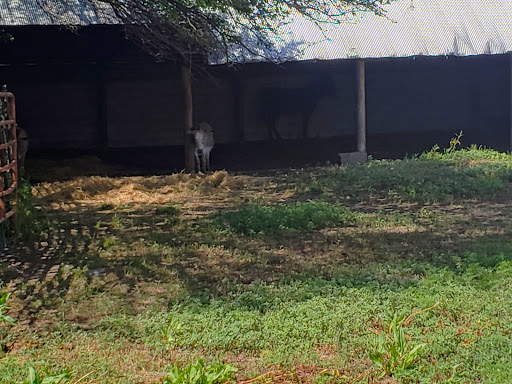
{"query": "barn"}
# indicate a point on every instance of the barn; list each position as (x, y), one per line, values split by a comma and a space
(407, 81)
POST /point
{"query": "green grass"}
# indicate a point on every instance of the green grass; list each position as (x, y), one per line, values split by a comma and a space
(272, 220)
(431, 177)
(171, 214)
(341, 274)
(283, 323)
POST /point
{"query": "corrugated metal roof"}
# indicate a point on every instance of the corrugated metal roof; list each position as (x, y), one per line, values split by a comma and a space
(412, 27)
(55, 12)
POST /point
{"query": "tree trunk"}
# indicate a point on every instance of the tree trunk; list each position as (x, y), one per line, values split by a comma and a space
(189, 139)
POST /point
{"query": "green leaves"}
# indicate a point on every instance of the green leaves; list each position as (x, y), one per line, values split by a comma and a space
(3, 307)
(35, 378)
(394, 352)
(188, 30)
(200, 373)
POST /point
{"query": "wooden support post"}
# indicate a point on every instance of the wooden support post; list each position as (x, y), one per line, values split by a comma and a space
(188, 121)
(510, 105)
(361, 107)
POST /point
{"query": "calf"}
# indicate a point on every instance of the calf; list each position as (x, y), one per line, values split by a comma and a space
(22, 144)
(276, 102)
(203, 144)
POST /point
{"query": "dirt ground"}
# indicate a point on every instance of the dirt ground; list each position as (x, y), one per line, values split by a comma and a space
(124, 233)
(84, 214)
(234, 157)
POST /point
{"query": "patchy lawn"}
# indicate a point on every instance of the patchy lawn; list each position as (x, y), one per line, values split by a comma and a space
(393, 271)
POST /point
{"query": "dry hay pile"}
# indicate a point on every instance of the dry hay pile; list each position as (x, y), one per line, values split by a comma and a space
(55, 170)
(97, 190)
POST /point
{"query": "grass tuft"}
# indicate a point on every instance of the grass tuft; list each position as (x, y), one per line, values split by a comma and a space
(271, 220)
(427, 179)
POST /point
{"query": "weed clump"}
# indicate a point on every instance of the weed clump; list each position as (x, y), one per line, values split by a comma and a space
(432, 177)
(394, 352)
(5, 319)
(263, 219)
(200, 373)
(25, 224)
(35, 377)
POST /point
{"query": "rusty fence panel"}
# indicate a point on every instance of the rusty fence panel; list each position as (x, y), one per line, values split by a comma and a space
(8, 156)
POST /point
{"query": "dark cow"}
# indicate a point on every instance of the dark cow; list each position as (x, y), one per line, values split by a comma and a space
(276, 102)
(22, 138)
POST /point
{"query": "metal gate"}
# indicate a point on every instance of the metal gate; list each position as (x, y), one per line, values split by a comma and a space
(8, 159)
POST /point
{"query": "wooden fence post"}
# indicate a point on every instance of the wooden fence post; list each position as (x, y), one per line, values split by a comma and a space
(361, 107)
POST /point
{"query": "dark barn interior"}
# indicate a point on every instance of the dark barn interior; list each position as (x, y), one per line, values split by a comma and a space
(90, 91)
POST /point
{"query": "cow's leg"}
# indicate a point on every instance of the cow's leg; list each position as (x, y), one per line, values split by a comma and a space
(268, 126)
(203, 162)
(197, 163)
(274, 133)
(306, 117)
(207, 156)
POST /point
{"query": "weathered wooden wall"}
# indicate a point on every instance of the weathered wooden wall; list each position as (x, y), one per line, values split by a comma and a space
(55, 104)
(93, 90)
(142, 108)
(440, 94)
(406, 95)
